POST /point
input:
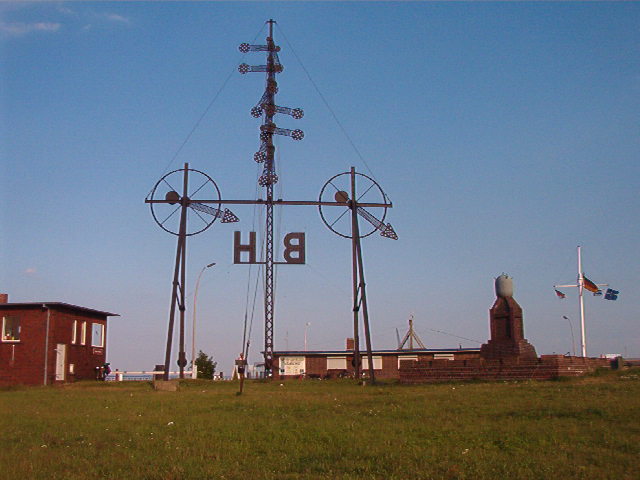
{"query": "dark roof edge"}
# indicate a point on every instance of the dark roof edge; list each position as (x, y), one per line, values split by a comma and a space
(374, 352)
(60, 305)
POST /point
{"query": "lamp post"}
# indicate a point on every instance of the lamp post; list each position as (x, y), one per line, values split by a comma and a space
(573, 342)
(306, 326)
(194, 369)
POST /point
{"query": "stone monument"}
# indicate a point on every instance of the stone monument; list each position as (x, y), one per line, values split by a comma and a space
(507, 340)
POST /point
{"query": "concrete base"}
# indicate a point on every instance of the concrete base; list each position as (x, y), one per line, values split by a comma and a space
(166, 386)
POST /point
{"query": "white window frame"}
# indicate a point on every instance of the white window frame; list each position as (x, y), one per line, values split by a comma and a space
(83, 333)
(332, 363)
(74, 332)
(407, 357)
(93, 325)
(4, 326)
(377, 362)
(443, 356)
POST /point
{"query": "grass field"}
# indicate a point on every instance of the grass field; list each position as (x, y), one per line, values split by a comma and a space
(585, 428)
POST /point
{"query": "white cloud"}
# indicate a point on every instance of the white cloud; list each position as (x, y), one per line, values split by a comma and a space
(114, 17)
(16, 29)
(65, 10)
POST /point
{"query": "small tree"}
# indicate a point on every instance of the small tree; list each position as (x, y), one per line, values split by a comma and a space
(205, 365)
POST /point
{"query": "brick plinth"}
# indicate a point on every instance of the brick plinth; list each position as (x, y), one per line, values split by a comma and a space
(507, 333)
(544, 368)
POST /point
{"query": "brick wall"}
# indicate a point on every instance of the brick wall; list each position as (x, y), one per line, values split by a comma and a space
(23, 362)
(83, 357)
(316, 364)
(543, 368)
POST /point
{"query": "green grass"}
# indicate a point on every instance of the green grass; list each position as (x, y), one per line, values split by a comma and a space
(579, 429)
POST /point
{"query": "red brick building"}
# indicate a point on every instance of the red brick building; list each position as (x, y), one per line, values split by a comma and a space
(44, 343)
(386, 363)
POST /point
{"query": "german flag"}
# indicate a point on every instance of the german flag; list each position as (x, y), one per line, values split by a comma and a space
(589, 285)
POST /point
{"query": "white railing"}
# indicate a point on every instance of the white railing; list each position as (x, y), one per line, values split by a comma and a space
(143, 375)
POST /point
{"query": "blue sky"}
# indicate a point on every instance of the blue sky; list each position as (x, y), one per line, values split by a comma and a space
(505, 134)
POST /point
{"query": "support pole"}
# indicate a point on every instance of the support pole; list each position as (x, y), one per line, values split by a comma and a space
(182, 359)
(269, 297)
(178, 273)
(354, 270)
(583, 335)
(410, 333)
(365, 314)
(361, 285)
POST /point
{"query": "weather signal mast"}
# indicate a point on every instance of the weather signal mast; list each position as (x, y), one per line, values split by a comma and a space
(267, 108)
(369, 202)
(199, 203)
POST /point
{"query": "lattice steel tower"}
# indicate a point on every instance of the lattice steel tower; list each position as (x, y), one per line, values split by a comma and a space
(267, 108)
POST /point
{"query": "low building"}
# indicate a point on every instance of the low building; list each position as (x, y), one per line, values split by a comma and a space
(48, 342)
(339, 363)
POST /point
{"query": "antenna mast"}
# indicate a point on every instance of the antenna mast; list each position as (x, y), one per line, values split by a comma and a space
(411, 336)
(267, 106)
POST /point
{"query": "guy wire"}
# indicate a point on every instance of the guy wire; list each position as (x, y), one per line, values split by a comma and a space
(326, 103)
(204, 114)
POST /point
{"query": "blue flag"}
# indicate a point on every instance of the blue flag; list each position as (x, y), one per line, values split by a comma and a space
(611, 294)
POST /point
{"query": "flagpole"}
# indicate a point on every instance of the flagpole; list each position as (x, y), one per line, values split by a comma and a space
(583, 336)
(592, 287)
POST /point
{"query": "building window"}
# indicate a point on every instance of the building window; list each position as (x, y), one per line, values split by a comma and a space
(83, 333)
(402, 358)
(443, 356)
(97, 335)
(377, 363)
(10, 329)
(336, 363)
(74, 331)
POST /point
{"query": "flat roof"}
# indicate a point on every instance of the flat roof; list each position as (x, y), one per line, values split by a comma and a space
(376, 352)
(60, 305)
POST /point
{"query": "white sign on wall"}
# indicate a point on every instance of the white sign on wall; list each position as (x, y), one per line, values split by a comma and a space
(292, 365)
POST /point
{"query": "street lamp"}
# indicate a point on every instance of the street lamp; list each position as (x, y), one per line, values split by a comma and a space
(306, 326)
(194, 369)
(573, 342)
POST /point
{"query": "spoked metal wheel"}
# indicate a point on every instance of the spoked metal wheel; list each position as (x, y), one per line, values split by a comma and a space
(168, 197)
(338, 218)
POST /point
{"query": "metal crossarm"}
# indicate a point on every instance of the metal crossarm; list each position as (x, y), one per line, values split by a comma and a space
(206, 209)
(226, 215)
(245, 48)
(245, 68)
(258, 110)
(296, 134)
(385, 230)
(296, 113)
